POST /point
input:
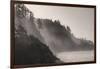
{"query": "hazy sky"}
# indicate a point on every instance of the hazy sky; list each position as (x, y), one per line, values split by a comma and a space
(80, 20)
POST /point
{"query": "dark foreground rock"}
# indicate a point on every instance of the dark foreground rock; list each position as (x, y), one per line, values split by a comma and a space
(29, 50)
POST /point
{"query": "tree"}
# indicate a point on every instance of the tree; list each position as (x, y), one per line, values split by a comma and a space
(20, 9)
(31, 16)
(68, 28)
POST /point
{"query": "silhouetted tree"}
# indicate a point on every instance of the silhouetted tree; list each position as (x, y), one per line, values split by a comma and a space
(68, 28)
(31, 16)
(20, 9)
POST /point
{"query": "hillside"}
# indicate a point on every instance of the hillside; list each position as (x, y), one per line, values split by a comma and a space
(28, 47)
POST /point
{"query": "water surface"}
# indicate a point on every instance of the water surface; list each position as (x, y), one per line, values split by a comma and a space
(76, 56)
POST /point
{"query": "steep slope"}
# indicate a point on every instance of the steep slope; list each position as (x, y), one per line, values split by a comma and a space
(29, 48)
(25, 18)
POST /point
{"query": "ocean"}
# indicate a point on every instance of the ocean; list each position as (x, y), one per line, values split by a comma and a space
(76, 56)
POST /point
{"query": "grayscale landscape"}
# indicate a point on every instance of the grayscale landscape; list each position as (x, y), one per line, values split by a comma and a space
(51, 34)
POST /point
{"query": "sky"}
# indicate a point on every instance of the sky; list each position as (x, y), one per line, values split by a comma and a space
(80, 20)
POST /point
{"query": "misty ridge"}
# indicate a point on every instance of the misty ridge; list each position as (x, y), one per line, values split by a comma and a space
(38, 41)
